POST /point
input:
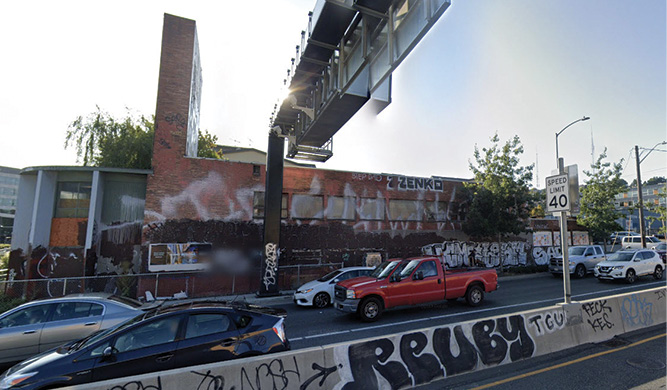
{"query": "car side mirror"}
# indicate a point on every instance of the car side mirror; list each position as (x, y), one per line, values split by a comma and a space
(419, 275)
(589, 254)
(395, 277)
(636, 260)
(108, 351)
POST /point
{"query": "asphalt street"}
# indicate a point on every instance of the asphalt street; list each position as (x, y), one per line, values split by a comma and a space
(308, 327)
(631, 361)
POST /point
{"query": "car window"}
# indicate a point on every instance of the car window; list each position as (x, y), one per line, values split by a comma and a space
(28, 316)
(661, 247)
(408, 268)
(653, 239)
(636, 239)
(589, 252)
(329, 276)
(71, 310)
(365, 272)
(428, 268)
(99, 350)
(205, 324)
(160, 331)
(647, 255)
(351, 274)
(598, 250)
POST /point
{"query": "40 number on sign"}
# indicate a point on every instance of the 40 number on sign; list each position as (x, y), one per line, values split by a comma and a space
(558, 193)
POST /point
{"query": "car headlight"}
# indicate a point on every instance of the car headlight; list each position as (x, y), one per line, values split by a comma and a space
(13, 380)
(619, 267)
(350, 294)
(306, 291)
(572, 263)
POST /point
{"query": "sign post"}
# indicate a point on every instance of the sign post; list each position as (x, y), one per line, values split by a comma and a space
(558, 201)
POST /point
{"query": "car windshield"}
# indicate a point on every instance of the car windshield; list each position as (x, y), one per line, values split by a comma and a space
(621, 256)
(95, 337)
(576, 251)
(128, 301)
(652, 239)
(329, 276)
(407, 270)
(383, 270)
(661, 247)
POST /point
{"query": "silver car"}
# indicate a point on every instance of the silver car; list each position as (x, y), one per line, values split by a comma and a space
(38, 326)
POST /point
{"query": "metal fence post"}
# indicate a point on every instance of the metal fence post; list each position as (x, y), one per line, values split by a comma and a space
(157, 279)
(65, 287)
(298, 275)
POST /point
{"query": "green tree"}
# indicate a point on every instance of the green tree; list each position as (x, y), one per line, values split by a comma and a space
(500, 194)
(660, 209)
(104, 141)
(655, 180)
(598, 212)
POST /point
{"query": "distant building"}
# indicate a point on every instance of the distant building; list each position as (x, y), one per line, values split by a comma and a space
(628, 201)
(251, 155)
(9, 187)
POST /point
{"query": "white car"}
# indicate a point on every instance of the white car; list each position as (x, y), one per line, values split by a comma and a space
(630, 264)
(319, 293)
(635, 242)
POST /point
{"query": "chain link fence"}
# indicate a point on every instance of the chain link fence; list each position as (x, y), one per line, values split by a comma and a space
(193, 284)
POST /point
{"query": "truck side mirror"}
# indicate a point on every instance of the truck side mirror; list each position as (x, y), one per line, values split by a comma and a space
(395, 277)
(108, 351)
(419, 275)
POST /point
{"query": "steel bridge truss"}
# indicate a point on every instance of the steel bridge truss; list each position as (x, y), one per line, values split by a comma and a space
(345, 59)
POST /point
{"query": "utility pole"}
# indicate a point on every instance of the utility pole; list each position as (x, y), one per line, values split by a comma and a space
(641, 199)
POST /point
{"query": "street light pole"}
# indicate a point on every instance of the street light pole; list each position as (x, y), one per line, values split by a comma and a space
(640, 196)
(563, 223)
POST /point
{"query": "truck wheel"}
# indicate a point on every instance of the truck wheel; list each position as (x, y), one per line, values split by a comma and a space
(321, 300)
(474, 295)
(580, 271)
(658, 272)
(630, 276)
(370, 309)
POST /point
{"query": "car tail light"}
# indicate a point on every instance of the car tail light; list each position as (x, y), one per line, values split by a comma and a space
(279, 328)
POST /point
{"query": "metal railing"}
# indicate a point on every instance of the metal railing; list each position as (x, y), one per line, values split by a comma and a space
(192, 284)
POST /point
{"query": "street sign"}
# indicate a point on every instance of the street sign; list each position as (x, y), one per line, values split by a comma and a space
(558, 193)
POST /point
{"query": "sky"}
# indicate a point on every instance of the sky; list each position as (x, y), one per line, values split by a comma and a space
(513, 67)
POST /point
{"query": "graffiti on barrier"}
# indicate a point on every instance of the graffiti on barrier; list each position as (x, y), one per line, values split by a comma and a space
(548, 322)
(598, 315)
(210, 381)
(139, 385)
(661, 294)
(419, 357)
(636, 310)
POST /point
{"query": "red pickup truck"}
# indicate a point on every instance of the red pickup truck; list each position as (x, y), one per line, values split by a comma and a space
(398, 282)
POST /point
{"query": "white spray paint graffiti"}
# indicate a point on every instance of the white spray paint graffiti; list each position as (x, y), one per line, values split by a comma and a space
(488, 254)
(271, 252)
(542, 255)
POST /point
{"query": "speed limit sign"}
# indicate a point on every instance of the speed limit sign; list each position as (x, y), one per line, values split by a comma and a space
(558, 193)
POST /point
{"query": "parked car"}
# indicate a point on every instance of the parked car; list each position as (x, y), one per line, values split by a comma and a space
(397, 283)
(635, 242)
(630, 264)
(661, 250)
(41, 325)
(616, 237)
(319, 293)
(582, 260)
(163, 338)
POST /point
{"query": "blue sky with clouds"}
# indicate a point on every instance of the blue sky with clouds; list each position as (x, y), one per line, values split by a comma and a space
(512, 67)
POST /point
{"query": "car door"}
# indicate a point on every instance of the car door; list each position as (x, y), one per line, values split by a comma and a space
(209, 337)
(71, 320)
(146, 347)
(428, 286)
(20, 331)
(648, 264)
(400, 291)
(588, 258)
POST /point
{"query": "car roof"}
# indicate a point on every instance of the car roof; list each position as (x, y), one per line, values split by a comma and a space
(353, 268)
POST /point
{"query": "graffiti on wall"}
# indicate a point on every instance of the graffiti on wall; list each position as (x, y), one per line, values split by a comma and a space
(271, 253)
(598, 315)
(420, 357)
(484, 254)
(542, 255)
(636, 310)
(409, 183)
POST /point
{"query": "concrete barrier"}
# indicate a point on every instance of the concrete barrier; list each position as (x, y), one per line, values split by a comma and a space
(420, 356)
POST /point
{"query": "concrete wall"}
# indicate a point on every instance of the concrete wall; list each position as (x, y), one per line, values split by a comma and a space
(24, 207)
(411, 358)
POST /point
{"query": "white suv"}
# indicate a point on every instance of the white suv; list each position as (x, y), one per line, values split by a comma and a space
(629, 264)
(635, 242)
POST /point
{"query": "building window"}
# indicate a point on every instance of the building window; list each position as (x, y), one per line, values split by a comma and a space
(307, 206)
(405, 210)
(339, 207)
(255, 170)
(436, 211)
(73, 200)
(258, 205)
(371, 209)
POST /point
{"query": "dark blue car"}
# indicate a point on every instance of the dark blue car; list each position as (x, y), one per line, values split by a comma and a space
(163, 338)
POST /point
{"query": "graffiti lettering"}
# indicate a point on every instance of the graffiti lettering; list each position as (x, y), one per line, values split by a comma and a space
(637, 311)
(321, 372)
(273, 375)
(211, 382)
(493, 342)
(271, 265)
(661, 294)
(485, 254)
(180, 121)
(138, 385)
(598, 315)
(409, 183)
(549, 322)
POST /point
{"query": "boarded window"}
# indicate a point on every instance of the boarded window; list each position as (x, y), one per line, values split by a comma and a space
(405, 210)
(307, 206)
(339, 207)
(123, 198)
(73, 200)
(371, 209)
(436, 211)
(258, 205)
